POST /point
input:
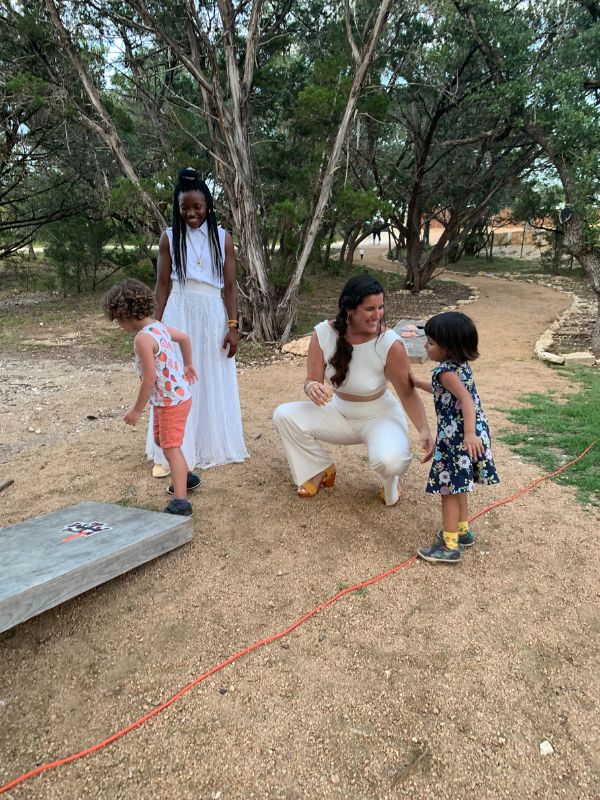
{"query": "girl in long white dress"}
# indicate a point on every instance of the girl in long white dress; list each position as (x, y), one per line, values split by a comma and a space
(196, 293)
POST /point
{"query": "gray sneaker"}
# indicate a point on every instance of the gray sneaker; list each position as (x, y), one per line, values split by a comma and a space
(439, 552)
(464, 539)
(179, 510)
(193, 482)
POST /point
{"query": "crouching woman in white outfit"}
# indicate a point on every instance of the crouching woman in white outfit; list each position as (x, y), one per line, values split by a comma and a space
(357, 356)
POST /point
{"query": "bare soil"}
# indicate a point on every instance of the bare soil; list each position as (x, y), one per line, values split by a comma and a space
(438, 682)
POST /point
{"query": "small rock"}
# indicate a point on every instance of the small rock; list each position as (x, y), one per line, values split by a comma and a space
(585, 358)
(546, 748)
(298, 347)
(335, 778)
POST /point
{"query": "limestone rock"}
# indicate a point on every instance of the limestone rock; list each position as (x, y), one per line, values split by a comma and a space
(544, 355)
(584, 357)
(297, 347)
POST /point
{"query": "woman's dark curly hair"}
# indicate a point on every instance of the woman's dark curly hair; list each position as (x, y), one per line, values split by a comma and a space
(456, 334)
(129, 299)
(188, 180)
(353, 293)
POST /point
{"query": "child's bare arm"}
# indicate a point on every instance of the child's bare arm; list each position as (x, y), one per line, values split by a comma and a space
(185, 345)
(144, 347)
(451, 382)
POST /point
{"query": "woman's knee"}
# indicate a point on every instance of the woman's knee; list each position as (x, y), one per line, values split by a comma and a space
(391, 463)
(280, 416)
(285, 415)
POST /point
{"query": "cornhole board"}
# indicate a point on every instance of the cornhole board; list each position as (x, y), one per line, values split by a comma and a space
(415, 345)
(49, 559)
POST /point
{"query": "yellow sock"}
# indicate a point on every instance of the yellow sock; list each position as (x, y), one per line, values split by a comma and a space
(451, 540)
(463, 527)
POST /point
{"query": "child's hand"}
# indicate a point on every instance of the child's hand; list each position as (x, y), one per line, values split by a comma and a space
(473, 446)
(132, 417)
(424, 386)
(427, 445)
(190, 374)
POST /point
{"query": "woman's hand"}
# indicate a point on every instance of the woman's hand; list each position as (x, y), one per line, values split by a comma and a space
(231, 341)
(317, 392)
(473, 446)
(427, 444)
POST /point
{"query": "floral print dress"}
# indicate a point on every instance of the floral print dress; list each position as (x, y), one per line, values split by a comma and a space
(452, 470)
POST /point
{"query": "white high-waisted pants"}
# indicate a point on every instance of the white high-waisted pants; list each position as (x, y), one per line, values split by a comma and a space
(380, 424)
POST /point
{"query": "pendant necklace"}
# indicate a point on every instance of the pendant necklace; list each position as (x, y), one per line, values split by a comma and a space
(198, 255)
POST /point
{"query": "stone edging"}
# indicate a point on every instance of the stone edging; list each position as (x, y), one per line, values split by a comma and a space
(544, 342)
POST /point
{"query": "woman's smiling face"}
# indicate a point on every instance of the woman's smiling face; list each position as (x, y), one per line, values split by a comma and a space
(366, 317)
(193, 208)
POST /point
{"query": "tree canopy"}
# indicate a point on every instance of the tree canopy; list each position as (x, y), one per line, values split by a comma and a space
(310, 120)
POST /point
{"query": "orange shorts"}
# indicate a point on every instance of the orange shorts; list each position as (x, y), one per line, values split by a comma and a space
(169, 424)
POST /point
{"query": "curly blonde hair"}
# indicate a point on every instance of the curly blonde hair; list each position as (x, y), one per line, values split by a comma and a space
(129, 299)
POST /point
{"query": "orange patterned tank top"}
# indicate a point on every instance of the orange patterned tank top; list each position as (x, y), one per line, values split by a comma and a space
(171, 387)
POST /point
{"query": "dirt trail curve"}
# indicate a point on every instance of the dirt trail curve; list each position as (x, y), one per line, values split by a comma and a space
(440, 682)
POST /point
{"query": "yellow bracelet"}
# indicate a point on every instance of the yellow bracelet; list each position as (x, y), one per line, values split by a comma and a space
(233, 323)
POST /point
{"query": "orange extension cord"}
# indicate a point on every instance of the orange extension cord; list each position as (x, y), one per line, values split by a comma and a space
(267, 640)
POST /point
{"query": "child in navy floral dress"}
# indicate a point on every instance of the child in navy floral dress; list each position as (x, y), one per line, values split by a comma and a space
(462, 455)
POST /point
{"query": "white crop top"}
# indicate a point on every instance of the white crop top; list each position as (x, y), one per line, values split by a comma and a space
(366, 371)
(198, 262)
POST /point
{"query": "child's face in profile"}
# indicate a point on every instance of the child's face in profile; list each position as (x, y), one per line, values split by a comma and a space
(434, 351)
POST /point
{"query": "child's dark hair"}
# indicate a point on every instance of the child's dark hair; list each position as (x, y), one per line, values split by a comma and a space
(188, 180)
(353, 293)
(129, 299)
(456, 334)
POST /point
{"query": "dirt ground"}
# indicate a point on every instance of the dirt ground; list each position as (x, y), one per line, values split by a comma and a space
(438, 682)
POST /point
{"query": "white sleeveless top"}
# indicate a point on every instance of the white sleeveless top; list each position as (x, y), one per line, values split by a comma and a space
(198, 264)
(366, 370)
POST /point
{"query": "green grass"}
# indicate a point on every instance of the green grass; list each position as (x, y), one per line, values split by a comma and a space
(558, 428)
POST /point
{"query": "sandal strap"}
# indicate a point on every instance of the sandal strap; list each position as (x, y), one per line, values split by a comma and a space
(307, 490)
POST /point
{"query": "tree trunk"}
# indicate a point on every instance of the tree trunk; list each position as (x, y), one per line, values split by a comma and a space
(286, 307)
(104, 127)
(414, 247)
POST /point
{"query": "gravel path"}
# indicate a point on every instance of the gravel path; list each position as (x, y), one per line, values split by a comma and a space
(439, 682)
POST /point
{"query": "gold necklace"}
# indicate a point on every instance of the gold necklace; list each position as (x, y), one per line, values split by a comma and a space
(198, 256)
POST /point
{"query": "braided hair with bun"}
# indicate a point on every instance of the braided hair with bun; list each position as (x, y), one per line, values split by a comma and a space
(189, 180)
(353, 293)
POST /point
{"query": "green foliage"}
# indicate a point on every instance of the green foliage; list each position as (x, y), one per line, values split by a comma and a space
(558, 429)
(86, 252)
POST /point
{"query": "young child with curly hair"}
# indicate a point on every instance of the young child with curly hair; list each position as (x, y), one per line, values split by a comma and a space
(164, 380)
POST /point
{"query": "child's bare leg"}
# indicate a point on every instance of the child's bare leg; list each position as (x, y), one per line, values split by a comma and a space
(446, 551)
(463, 501)
(451, 512)
(179, 470)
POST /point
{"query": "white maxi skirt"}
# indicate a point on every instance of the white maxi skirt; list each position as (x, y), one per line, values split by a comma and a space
(213, 432)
